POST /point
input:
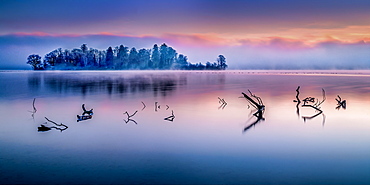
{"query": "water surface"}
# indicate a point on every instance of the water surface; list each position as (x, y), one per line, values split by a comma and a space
(205, 143)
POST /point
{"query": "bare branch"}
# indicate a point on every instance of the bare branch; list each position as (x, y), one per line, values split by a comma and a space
(170, 118)
(258, 104)
(340, 103)
(144, 106)
(222, 102)
(297, 99)
(60, 125)
(129, 117)
(34, 108)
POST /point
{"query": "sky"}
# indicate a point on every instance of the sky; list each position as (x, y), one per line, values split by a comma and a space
(269, 34)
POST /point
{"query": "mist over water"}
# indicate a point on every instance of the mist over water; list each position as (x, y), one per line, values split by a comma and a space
(206, 142)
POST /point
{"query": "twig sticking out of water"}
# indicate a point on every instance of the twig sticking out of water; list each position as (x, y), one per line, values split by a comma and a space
(222, 102)
(297, 95)
(341, 103)
(34, 109)
(170, 118)
(156, 106)
(129, 117)
(88, 112)
(167, 107)
(144, 106)
(297, 99)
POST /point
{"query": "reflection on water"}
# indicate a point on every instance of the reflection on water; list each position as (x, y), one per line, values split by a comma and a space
(184, 127)
(109, 84)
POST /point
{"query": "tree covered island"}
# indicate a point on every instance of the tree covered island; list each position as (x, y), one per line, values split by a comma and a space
(120, 58)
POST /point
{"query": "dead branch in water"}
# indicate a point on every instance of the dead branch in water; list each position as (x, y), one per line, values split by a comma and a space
(340, 103)
(170, 118)
(297, 99)
(43, 128)
(34, 108)
(315, 105)
(129, 117)
(257, 103)
(259, 106)
(156, 106)
(144, 106)
(222, 102)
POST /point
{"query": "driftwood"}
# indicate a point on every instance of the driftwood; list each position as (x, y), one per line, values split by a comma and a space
(222, 102)
(170, 118)
(257, 103)
(82, 117)
(43, 128)
(340, 103)
(129, 117)
(34, 109)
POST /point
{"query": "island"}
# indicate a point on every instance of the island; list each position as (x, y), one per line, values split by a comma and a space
(120, 58)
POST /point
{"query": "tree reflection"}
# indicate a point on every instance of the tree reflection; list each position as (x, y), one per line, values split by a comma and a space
(159, 85)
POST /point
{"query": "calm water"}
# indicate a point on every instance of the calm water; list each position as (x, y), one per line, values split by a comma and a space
(205, 142)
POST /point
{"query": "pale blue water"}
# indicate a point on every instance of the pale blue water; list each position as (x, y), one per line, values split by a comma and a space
(205, 143)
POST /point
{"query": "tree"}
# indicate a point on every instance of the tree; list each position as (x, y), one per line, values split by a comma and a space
(133, 59)
(109, 57)
(155, 57)
(221, 60)
(163, 56)
(35, 62)
(144, 58)
(122, 57)
(181, 62)
(171, 56)
(84, 48)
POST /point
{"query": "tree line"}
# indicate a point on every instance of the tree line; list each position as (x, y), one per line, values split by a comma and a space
(120, 58)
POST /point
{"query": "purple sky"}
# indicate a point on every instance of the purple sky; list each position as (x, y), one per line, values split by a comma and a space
(249, 33)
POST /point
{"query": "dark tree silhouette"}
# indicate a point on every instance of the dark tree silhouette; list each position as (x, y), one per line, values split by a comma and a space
(109, 58)
(120, 58)
(221, 62)
(35, 62)
(155, 57)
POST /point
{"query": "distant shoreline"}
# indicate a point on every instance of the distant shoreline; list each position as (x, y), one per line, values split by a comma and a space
(333, 72)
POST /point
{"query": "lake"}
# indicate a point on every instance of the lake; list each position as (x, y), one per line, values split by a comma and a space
(184, 127)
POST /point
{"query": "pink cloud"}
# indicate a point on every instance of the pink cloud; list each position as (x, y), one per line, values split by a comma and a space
(214, 40)
(196, 40)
